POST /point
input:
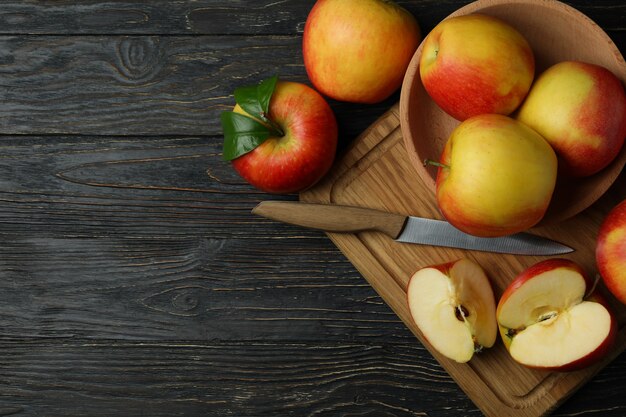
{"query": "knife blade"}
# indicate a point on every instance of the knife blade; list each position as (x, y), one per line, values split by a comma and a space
(402, 228)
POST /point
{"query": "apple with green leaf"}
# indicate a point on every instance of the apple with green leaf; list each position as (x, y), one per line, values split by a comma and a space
(580, 109)
(476, 64)
(611, 251)
(454, 307)
(549, 317)
(496, 176)
(358, 50)
(281, 136)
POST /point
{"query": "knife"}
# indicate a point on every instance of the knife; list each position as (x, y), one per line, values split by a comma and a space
(406, 229)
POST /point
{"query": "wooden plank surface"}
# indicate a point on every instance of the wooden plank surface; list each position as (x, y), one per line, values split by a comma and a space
(143, 85)
(376, 172)
(133, 278)
(216, 17)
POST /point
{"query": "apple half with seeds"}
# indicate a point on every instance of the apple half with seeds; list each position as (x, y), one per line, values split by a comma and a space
(548, 321)
(454, 307)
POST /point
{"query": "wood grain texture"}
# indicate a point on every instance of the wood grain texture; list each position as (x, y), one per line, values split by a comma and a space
(332, 218)
(74, 377)
(220, 379)
(158, 233)
(88, 186)
(215, 17)
(377, 173)
(131, 85)
(144, 85)
(160, 84)
(190, 289)
(133, 279)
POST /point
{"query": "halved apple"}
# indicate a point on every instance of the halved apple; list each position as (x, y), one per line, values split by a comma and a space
(546, 320)
(454, 307)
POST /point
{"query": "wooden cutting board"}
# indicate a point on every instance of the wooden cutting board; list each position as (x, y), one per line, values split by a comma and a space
(375, 172)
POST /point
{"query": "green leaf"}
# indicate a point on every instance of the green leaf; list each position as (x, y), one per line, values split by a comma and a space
(241, 134)
(255, 99)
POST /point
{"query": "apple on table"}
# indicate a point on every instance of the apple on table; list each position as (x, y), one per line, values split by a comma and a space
(580, 109)
(285, 141)
(547, 319)
(476, 64)
(611, 251)
(358, 50)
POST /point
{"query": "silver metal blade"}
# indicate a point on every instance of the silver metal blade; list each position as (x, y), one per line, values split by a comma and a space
(441, 233)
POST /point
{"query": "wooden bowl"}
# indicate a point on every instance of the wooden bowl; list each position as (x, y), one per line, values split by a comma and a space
(556, 32)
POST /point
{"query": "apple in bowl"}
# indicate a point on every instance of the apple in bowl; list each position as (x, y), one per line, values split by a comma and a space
(454, 307)
(580, 109)
(476, 64)
(547, 319)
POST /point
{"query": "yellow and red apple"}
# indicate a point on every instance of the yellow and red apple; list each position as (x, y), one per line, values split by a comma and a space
(476, 64)
(611, 251)
(454, 307)
(304, 153)
(358, 50)
(580, 109)
(496, 176)
(547, 320)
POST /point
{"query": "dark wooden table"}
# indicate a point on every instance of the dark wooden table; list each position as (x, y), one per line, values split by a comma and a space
(133, 279)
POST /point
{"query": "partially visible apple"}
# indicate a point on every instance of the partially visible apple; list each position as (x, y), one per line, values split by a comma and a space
(304, 154)
(547, 321)
(358, 50)
(454, 307)
(496, 176)
(476, 64)
(580, 108)
(611, 251)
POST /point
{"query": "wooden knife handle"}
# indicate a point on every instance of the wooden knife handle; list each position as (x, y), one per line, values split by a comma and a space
(332, 218)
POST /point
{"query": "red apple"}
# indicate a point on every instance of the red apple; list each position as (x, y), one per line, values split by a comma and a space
(580, 108)
(454, 307)
(476, 64)
(358, 50)
(546, 320)
(496, 176)
(304, 154)
(611, 251)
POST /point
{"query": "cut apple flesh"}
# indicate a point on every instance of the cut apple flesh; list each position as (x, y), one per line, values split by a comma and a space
(540, 297)
(564, 338)
(546, 323)
(474, 295)
(455, 313)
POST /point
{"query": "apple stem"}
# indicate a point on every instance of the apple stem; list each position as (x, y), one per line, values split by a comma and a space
(275, 129)
(435, 163)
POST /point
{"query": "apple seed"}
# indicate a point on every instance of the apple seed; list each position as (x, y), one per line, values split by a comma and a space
(461, 312)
